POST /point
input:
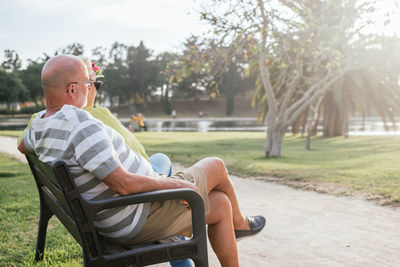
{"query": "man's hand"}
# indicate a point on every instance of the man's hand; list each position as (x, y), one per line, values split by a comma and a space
(123, 182)
(182, 184)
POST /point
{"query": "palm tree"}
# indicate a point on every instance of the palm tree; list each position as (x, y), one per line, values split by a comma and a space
(373, 89)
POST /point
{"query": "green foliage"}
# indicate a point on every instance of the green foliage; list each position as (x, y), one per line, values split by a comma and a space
(301, 48)
(75, 49)
(368, 91)
(142, 73)
(163, 80)
(24, 110)
(12, 61)
(31, 78)
(166, 105)
(99, 56)
(131, 75)
(115, 73)
(12, 89)
(205, 68)
(19, 214)
(188, 74)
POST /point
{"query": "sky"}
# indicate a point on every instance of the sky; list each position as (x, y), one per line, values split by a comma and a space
(32, 27)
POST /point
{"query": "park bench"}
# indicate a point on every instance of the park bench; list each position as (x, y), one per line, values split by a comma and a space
(59, 197)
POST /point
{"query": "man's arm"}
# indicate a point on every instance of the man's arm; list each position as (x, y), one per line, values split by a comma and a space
(22, 148)
(123, 182)
(21, 136)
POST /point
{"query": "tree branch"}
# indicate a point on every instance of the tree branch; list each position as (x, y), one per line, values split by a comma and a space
(262, 58)
(318, 93)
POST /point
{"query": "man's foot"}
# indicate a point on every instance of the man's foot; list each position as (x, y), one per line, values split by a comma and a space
(256, 223)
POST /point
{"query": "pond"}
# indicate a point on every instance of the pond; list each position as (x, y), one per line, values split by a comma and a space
(203, 125)
(372, 126)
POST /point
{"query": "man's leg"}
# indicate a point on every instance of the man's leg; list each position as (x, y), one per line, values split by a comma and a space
(161, 164)
(220, 229)
(218, 180)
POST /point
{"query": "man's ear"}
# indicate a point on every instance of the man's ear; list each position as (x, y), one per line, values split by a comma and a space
(70, 89)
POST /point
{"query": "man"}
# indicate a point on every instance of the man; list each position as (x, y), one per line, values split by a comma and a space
(103, 167)
(159, 162)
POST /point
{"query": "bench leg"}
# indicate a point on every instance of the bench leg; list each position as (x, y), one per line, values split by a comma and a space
(45, 215)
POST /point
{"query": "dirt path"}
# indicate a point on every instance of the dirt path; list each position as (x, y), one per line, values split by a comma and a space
(307, 228)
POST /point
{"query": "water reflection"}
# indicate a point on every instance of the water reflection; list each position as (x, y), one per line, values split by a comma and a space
(372, 126)
(195, 125)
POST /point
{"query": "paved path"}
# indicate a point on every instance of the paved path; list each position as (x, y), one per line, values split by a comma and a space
(307, 228)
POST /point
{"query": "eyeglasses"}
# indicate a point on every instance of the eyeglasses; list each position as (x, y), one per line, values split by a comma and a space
(97, 85)
(88, 83)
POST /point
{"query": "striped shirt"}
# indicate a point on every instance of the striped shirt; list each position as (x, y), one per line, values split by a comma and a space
(92, 151)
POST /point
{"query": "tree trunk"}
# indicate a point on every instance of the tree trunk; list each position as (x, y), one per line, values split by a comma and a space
(308, 127)
(305, 121)
(333, 125)
(308, 140)
(276, 150)
(314, 129)
(270, 127)
(346, 127)
(312, 124)
(273, 144)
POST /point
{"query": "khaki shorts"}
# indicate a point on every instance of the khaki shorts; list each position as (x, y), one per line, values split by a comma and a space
(171, 217)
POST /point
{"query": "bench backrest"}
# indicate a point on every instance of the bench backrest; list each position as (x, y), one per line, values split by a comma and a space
(58, 192)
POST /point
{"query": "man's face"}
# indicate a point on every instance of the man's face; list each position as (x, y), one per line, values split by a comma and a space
(82, 88)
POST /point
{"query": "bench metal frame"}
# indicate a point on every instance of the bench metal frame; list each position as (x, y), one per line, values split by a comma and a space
(60, 197)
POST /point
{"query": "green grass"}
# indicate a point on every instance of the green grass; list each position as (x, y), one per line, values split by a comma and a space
(19, 214)
(12, 133)
(366, 164)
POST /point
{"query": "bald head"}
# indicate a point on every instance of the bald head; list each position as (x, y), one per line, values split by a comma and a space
(61, 70)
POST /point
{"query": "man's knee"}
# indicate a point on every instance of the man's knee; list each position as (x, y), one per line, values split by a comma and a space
(218, 164)
(220, 202)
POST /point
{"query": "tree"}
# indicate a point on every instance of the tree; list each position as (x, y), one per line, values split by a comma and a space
(190, 73)
(32, 81)
(373, 89)
(207, 67)
(163, 61)
(300, 47)
(12, 90)
(116, 82)
(99, 56)
(226, 69)
(142, 73)
(12, 61)
(75, 49)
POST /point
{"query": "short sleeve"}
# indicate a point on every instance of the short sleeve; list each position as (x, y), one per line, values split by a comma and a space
(22, 135)
(28, 141)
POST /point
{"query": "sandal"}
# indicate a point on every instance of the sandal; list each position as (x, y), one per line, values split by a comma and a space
(256, 223)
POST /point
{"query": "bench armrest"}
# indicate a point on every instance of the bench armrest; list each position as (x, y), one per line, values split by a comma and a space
(195, 201)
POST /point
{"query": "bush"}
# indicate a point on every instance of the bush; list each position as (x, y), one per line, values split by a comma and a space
(24, 110)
